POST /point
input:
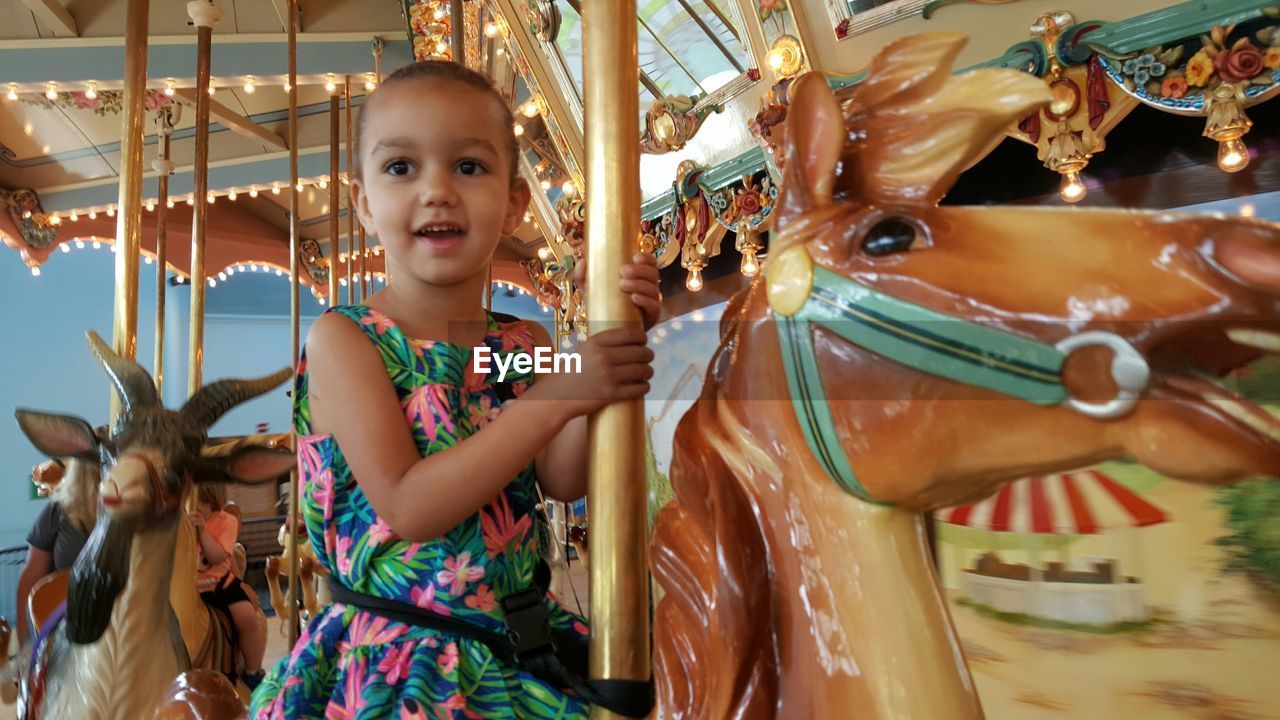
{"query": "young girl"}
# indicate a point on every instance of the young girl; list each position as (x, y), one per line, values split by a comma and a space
(216, 532)
(420, 471)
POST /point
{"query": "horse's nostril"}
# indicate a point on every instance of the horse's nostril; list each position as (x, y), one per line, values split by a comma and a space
(1252, 254)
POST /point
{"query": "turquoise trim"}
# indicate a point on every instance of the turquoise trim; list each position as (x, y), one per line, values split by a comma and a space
(1163, 26)
(909, 334)
(715, 178)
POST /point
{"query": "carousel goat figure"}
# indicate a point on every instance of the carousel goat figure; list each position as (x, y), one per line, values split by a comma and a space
(119, 647)
(897, 357)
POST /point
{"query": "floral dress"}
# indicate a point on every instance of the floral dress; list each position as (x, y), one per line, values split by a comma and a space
(352, 664)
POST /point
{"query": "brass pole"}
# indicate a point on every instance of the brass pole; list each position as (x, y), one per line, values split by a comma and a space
(124, 326)
(291, 542)
(616, 488)
(164, 166)
(488, 290)
(364, 267)
(205, 16)
(335, 242)
(351, 211)
(458, 40)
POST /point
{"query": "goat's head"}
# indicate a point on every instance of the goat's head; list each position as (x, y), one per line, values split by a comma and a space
(148, 463)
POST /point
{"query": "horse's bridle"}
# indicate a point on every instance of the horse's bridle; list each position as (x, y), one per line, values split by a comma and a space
(803, 294)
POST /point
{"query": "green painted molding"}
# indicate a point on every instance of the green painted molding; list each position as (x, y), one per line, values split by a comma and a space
(1172, 23)
(722, 175)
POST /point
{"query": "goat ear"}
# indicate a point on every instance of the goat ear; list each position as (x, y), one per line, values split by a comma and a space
(58, 436)
(247, 466)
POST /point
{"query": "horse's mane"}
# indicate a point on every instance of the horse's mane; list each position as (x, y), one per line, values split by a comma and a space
(712, 562)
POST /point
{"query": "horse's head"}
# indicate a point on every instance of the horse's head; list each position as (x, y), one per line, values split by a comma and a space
(963, 347)
(147, 465)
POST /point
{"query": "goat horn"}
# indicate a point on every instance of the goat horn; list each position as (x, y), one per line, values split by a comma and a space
(213, 400)
(132, 382)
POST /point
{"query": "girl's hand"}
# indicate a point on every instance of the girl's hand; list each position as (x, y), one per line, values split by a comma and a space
(615, 366)
(640, 280)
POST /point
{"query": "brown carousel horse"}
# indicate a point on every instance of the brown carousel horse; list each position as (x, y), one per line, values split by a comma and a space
(121, 645)
(898, 357)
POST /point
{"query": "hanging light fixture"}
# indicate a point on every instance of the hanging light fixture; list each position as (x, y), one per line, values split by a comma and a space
(1228, 124)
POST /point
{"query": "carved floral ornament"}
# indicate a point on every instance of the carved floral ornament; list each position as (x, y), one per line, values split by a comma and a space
(1216, 74)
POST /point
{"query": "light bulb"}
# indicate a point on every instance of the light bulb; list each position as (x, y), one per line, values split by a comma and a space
(13, 92)
(232, 196)
(750, 266)
(490, 29)
(529, 109)
(518, 129)
(91, 91)
(168, 86)
(97, 245)
(169, 203)
(694, 281)
(330, 83)
(438, 14)
(93, 215)
(79, 244)
(544, 252)
(568, 187)
(51, 90)
(499, 52)
(287, 87)
(75, 217)
(250, 84)
(299, 186)
(212, 88)
(35, 271)
(546, 184)
(213, 283)
(441, 47)
(65, 248)
(253, 192)
(191, 200)
(55, 219)
(275, 188)
(370, 82)
(1072, 190)
(111, 211)
(151, 205)
(323, 183)
(1233, 155)
(211, 198)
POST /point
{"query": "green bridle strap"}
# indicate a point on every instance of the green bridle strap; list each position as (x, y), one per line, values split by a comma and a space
(909, 334)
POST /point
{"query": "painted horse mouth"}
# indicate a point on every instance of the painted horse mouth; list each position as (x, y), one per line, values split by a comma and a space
(1192, 368)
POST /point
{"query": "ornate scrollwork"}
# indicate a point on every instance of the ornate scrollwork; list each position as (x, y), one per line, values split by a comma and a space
(313, 259)
(672, 121)
(36, 228)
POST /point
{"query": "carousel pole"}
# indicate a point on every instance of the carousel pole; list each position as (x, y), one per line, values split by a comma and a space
(351, 211)
(457, 41)
(124, 326)
(616, 489)
(364, 267)
(291, 542)
(204, 14)
(164, 166)
(335, 242)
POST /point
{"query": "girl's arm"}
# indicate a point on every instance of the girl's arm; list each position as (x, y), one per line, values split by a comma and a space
(562, 464)
(422, 498)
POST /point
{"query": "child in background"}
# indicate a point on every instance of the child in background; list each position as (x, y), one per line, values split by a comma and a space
(216, 533)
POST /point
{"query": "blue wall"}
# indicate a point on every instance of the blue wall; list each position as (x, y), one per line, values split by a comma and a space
(45, 363)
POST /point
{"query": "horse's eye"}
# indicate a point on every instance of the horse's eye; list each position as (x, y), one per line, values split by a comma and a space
(889, 236)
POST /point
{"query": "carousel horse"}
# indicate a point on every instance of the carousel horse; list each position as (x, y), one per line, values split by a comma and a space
(898, 357)
(311, 575)
(119, 647)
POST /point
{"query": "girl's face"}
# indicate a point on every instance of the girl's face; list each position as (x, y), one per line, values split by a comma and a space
(435, 183)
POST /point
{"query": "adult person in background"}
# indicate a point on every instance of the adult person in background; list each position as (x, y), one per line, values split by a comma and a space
(61, 529)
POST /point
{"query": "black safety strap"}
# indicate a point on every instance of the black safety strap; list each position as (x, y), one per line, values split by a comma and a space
(558, 658)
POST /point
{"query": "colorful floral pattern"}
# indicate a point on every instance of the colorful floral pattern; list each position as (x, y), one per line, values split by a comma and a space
(353, 665)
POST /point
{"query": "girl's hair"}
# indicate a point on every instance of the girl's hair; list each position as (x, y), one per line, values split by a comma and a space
(443, 70)
(212, 493)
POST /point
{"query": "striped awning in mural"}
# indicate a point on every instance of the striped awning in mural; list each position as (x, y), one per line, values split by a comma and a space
(1077, 503)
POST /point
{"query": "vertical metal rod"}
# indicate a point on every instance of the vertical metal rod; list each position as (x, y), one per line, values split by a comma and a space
(124, 325)
(616, 484)
(335, 243)
(291, 542)
(488, 290)
(162, 250)
(364, 267)
(200, 209)
(351, 210)
(457, 29)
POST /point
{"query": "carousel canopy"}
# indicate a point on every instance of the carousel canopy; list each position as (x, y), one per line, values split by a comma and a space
(1077, 503)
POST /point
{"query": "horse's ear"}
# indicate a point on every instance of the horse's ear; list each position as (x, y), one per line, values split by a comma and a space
(248, 465)
(815, 136)
(58, 436)
(918, 126)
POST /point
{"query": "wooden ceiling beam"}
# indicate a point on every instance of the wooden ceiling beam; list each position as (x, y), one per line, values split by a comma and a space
(53, 16)
(234, 121)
